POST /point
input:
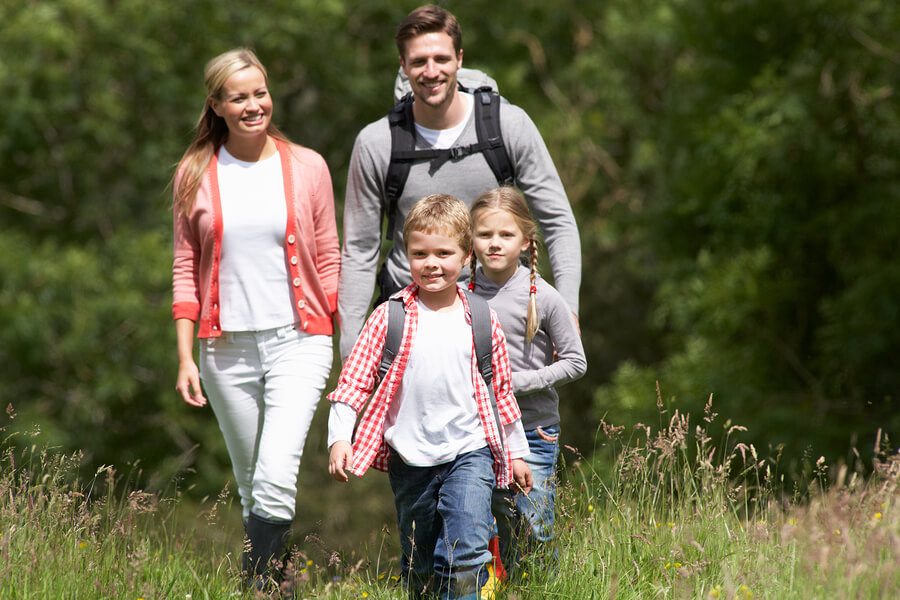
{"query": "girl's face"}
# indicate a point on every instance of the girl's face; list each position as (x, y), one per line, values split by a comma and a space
(245, 103)
(498, 243)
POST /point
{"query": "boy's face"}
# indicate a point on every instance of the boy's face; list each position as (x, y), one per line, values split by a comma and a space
(435, 262)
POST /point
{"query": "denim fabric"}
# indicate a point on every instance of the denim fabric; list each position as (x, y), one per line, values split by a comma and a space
(444, 517)
(263, 387)
(526, 522)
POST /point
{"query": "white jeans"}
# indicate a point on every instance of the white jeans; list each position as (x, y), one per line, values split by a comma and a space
(264, 387)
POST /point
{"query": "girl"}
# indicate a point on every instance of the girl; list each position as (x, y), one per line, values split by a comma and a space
(539, 327)
(255, 272)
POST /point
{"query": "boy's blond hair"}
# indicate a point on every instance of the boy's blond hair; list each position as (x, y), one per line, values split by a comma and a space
(440, 213)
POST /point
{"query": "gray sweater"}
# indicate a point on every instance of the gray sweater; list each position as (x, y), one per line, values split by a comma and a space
(466, 179)
(534, 372)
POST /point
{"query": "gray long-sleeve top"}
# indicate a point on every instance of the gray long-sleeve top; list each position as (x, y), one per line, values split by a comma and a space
(465, 178)
(534, 372)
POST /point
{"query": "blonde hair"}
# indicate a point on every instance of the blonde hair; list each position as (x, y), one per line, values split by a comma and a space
(511, 200)
(440, 213)
(211, 130)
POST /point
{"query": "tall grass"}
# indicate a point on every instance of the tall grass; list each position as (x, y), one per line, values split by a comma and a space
(680, 510)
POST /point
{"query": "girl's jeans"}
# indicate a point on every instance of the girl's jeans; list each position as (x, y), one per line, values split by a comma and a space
(527, 521)
(444, 517)
(264, 387)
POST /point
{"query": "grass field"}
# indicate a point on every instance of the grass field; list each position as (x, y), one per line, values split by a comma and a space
(681, 510)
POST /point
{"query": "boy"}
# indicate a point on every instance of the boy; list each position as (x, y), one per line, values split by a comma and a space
(430, 424)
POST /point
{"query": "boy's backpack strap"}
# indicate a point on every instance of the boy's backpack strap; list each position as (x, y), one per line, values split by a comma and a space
(481, 333)
(487, 127)
(394, 335)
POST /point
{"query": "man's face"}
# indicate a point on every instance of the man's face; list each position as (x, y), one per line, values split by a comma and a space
(431, 64)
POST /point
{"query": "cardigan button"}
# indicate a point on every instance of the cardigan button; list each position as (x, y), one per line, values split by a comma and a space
(291, 239)
(301, 304)
(296, 282)
(293, 260)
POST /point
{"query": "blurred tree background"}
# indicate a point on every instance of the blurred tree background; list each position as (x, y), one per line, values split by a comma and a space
(733, 165)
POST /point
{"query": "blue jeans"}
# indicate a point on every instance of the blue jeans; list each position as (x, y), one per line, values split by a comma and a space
(444, 517)
(526, 522)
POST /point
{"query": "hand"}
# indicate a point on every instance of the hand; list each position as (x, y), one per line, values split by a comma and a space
(341, 458)
(522, 479)
(188, 384)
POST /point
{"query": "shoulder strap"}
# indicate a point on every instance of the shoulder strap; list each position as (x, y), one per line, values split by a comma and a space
(403, 146)
(481, 333)
(487, 127)
(396, 317)
(403, 140)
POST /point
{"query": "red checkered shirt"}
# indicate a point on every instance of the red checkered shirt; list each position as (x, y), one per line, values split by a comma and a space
(359, 378)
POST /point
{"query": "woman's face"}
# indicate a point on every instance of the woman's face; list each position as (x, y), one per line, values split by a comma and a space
(244, 103)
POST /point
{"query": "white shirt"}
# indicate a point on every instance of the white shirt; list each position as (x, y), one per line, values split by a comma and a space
(445, 138)
(254, 283)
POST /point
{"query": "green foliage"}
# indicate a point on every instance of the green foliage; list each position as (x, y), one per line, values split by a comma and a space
(732, 166)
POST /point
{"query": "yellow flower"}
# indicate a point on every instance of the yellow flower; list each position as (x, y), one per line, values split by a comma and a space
(667, 565)
(792, 521)
(308, 562)
(715, 593)
(381, 576)
(590, 508)
(878, 515)
(670, 524)
(365, 594)
(745, 592)
(524, 574)
(82, 544)
(677, 565)
(837, 532)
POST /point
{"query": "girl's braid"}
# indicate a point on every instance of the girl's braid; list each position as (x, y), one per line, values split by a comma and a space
(533, 322)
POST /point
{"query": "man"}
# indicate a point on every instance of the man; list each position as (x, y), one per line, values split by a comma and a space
(430, 44)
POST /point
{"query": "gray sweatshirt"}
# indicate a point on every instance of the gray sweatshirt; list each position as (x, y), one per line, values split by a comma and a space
(534, 372)
(465, 178)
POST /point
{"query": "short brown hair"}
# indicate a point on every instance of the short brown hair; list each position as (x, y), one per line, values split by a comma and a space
(440, 213)
(428, 19)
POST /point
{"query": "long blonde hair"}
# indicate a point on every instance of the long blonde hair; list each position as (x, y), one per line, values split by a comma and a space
(511, 200)
(211, 130)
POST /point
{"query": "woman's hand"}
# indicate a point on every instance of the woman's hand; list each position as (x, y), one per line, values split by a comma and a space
(341, 458)
(188, 384)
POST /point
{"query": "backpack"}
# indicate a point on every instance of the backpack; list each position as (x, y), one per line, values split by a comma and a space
(481, 332)
(403, 137)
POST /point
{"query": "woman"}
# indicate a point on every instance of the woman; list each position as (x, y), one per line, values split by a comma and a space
(255, 272)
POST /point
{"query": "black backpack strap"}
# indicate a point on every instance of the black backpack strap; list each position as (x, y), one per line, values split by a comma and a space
(481, 333)
(487, 127)
(403, 140)
(394, 335)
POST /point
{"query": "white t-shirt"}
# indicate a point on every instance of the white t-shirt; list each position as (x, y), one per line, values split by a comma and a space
(445, 138)
(254, 283)
(434, 419)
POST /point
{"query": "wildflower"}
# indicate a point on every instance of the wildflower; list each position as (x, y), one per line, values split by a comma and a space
(365, 594)
(309, 562)
(667, 565)
(677, 565)
(590, 508)
(716, 592)
(670, 524)
(524, 574)
(382, 576)
(877, 516)
(745, 592)
(395, 578)
(82, 544)
(837, 532)
(792, 521)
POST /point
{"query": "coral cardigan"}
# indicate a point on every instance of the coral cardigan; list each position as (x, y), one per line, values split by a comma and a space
(311, 246)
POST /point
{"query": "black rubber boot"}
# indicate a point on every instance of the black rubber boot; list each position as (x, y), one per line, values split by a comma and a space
(268, 538)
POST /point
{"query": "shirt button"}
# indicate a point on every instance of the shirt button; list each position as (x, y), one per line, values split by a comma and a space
(291, 239)
(296, 282)
(293, 260)
(301, 303)
(305, 325)
(215, 327)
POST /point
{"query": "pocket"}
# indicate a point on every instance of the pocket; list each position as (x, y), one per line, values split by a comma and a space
(550, 434)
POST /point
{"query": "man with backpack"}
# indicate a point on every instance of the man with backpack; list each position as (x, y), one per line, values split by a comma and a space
(442, 138)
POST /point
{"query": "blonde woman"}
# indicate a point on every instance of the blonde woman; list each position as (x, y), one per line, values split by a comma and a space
(255, 275)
